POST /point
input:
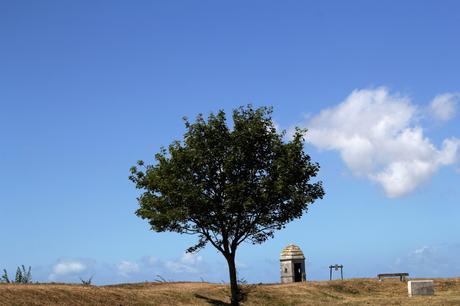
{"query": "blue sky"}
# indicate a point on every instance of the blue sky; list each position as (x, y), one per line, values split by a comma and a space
(89, 87)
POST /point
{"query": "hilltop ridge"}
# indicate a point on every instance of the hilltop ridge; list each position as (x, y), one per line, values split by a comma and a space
(347, 292)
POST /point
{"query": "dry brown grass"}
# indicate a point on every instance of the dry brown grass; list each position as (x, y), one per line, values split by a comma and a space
(348, 292)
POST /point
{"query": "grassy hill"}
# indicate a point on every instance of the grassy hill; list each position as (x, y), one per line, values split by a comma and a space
(348, 292)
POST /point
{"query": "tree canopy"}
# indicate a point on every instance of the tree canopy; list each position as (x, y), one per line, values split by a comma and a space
(228, 184)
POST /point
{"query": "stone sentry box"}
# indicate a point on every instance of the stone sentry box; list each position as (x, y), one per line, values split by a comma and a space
(292, 265)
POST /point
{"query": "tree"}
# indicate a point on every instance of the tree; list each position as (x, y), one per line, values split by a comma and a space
(228, 184)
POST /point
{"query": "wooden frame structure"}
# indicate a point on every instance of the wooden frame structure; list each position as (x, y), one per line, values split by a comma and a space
(336, 267)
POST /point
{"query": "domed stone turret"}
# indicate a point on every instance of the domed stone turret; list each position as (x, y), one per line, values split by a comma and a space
(292, 264)
(291, 252)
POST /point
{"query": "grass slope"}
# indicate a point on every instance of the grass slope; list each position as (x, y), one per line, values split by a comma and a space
(348, 292)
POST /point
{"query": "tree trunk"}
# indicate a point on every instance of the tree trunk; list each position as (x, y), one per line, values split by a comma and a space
(233, 280)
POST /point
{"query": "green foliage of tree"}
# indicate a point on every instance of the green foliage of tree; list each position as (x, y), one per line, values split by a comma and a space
(228, 184)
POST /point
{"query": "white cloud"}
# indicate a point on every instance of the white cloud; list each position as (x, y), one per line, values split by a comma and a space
(378, 137)
(187, 267)
(191, 259)
(68, 267)
(126, 268)
(151, 260)
(443, 107)
(431, 261)
(189, 263)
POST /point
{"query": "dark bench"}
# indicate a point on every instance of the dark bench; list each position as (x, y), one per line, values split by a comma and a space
(402, 276)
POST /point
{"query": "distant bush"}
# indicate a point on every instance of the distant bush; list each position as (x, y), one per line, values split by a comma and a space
(87, 282)
(241, 281)
(160, 279)
(23, 276)
(5, 278)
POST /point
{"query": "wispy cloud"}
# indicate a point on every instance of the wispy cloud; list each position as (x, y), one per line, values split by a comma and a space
(186, 267)
(189, 263)
(444, 106)
(431, 261)
(378, 136)
(127, 268)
